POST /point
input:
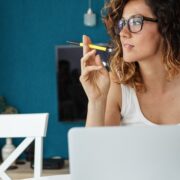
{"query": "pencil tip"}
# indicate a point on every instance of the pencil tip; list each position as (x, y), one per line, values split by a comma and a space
(70, 42)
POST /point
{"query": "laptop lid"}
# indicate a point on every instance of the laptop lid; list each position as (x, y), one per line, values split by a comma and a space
(127, 153)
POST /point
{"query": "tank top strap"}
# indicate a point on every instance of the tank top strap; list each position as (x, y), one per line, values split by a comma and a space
(130, 109)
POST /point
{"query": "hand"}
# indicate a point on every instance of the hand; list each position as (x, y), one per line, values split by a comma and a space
(94, 76)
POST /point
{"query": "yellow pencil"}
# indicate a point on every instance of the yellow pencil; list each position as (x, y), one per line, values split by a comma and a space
(92, 46)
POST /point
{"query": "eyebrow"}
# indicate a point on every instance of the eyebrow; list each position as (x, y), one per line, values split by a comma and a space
(133, 15)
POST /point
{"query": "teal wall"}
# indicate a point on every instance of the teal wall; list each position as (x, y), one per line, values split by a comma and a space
(29, 32)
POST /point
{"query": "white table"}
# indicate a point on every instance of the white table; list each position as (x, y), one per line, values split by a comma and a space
(56, 177)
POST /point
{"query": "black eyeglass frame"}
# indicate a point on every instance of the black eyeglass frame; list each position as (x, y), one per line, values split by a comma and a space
(126, 22)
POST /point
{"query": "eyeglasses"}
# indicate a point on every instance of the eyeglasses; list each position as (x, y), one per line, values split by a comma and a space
(134, 23)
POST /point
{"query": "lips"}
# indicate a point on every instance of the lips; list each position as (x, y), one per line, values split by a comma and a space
(128, 46)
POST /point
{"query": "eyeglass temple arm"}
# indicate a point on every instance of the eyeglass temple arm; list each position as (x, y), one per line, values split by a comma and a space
(150, 19)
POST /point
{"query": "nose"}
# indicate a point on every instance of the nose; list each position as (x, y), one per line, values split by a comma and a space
(125, 32)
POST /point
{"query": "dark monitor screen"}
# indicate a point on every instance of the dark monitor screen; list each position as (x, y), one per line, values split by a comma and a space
(72, 100)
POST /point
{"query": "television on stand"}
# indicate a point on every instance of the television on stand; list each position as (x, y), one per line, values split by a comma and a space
(72, 100)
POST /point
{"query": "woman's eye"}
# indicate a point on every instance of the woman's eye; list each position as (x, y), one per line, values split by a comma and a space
(135, 22)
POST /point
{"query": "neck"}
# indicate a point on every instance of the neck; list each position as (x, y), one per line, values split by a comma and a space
(154, 75)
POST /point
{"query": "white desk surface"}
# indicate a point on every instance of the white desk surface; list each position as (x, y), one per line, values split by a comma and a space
(56, 177)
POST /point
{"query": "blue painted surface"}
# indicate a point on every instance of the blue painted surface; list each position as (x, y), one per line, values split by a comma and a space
(29, 32)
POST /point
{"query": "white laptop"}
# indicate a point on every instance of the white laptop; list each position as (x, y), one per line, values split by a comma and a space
(125, 153)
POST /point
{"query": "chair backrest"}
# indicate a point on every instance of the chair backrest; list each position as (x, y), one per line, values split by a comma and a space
(30, 126)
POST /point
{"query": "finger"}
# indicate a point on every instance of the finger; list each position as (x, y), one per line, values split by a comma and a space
(98, 60)
(100, 63)
(85, 58)
(86, 41)
(89, 69)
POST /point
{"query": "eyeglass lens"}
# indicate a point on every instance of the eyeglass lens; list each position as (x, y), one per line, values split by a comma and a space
(134, 24)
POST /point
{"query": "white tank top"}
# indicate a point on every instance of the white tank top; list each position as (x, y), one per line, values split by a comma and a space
(130, 110)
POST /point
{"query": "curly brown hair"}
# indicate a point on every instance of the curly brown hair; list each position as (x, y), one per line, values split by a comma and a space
(167, 13)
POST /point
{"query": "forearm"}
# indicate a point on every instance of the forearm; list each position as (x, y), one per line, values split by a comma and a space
(96, 113)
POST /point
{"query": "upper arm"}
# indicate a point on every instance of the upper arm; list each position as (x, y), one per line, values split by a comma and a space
(113, 106)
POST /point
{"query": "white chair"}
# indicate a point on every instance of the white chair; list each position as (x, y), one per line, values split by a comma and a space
(30, 126)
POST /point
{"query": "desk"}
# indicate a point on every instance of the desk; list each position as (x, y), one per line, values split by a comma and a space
(25, 171)
(58, 177)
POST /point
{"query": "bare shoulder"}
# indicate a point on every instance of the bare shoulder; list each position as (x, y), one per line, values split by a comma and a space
(113, 106)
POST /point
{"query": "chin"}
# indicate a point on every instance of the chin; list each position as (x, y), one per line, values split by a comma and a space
(129, 59)
(130, 56)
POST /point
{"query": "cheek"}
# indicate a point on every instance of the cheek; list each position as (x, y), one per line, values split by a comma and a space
(149, 43)
(146, 44)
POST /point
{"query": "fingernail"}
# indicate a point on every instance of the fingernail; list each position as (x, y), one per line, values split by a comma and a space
(84, 36)
(99, 67)
(93, 51)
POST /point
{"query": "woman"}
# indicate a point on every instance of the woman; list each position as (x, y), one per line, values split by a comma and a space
(143, 86)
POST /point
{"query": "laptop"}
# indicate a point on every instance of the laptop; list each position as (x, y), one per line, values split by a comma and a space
(125, 153)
